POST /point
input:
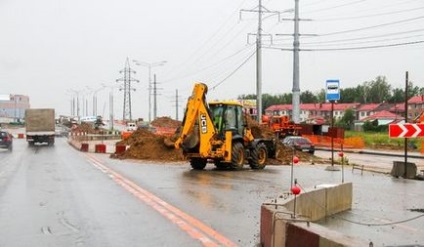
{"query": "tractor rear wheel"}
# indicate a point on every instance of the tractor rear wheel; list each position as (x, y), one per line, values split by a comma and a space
(259, 156)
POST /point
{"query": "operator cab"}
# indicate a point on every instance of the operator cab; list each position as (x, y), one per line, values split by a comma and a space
(227, 116)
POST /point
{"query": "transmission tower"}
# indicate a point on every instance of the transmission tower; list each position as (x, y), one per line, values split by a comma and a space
(127, 79)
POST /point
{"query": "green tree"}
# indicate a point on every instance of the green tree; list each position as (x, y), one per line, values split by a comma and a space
(349, 95)
(321, 95)
(346, 121)
(379, 90)
(308, 97)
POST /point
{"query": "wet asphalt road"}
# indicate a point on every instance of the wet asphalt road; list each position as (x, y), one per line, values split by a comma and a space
(57, 196)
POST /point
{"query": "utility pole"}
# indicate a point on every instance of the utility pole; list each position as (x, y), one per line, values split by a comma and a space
(405, 143)
(296, 86)
(260, 10)
(149, 67)
(127, 79)
(155, 107)
(155, 94)
(296, 70)
(259, 65)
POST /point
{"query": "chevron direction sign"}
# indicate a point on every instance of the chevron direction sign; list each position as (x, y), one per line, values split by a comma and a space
(406, 130)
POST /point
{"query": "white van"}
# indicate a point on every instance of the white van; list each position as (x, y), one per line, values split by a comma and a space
(131, 127)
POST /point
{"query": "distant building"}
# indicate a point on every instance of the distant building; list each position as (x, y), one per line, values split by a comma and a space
(13, 106)
(415, 106)
(312, 110)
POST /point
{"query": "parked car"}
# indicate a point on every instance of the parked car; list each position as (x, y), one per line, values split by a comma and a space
(6, 140)
(299, 143)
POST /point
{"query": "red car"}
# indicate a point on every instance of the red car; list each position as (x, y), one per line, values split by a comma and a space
(6, 140)
(299, 143)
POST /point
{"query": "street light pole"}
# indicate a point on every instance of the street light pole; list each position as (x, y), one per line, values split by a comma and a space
(77, 108)
(149, 67)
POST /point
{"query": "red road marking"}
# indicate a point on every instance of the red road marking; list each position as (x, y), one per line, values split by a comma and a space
(192, 226)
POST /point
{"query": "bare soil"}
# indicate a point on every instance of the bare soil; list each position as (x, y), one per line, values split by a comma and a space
(166, 122)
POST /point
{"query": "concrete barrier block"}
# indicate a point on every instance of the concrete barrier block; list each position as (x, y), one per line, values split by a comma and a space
(309, 204)
(273, 225)
(119, 149)
(398, 169)
(84, 147)
(339, 198)
(100, 148)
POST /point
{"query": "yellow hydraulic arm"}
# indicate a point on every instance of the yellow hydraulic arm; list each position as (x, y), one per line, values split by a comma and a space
(198, 110)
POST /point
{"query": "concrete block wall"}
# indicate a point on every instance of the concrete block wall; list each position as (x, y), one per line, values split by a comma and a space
(281, 227)
(322, 201)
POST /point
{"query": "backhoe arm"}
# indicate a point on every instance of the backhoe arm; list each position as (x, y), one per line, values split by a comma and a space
(197, 110)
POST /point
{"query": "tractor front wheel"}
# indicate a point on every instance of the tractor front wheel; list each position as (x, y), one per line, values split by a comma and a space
(198, 163)
(237, 156)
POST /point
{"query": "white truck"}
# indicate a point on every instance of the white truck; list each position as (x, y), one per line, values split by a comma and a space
(40, 126)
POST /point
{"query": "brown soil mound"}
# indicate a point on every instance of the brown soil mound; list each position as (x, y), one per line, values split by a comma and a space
(85, 127)
(166, 122)
(284, 155)
(259, 131)
(146, 145)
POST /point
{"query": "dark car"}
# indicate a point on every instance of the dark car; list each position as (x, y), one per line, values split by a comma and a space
(6, 140)
(299, 143)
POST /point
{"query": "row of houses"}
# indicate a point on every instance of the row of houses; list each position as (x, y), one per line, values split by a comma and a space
(318, 113)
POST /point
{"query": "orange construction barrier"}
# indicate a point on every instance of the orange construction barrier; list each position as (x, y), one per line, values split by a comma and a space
(125, 134)
(325, 141)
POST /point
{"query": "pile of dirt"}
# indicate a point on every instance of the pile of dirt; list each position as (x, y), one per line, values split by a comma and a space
(258, 130)
(166, 122)
(285, 154)
(85, 127)
(148, 146)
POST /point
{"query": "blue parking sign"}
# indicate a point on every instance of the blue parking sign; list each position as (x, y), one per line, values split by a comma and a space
(332, 90)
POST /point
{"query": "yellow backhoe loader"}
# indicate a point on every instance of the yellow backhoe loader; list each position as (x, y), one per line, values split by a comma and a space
(217, 132)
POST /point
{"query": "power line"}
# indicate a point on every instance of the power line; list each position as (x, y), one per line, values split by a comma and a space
(198, 53)
(223, 69)
(367, 47)
(209, 66)
(372, 27)
(338, 6)
(366, 42)
(368, 16)
(365, 37)
(233, 72)
(354, 48)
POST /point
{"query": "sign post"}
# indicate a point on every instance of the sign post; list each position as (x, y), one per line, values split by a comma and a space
(332, 89)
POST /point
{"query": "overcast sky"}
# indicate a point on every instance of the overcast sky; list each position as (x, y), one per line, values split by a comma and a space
(50, 47)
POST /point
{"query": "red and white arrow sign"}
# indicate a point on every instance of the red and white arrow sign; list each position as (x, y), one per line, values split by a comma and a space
(406, 130)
